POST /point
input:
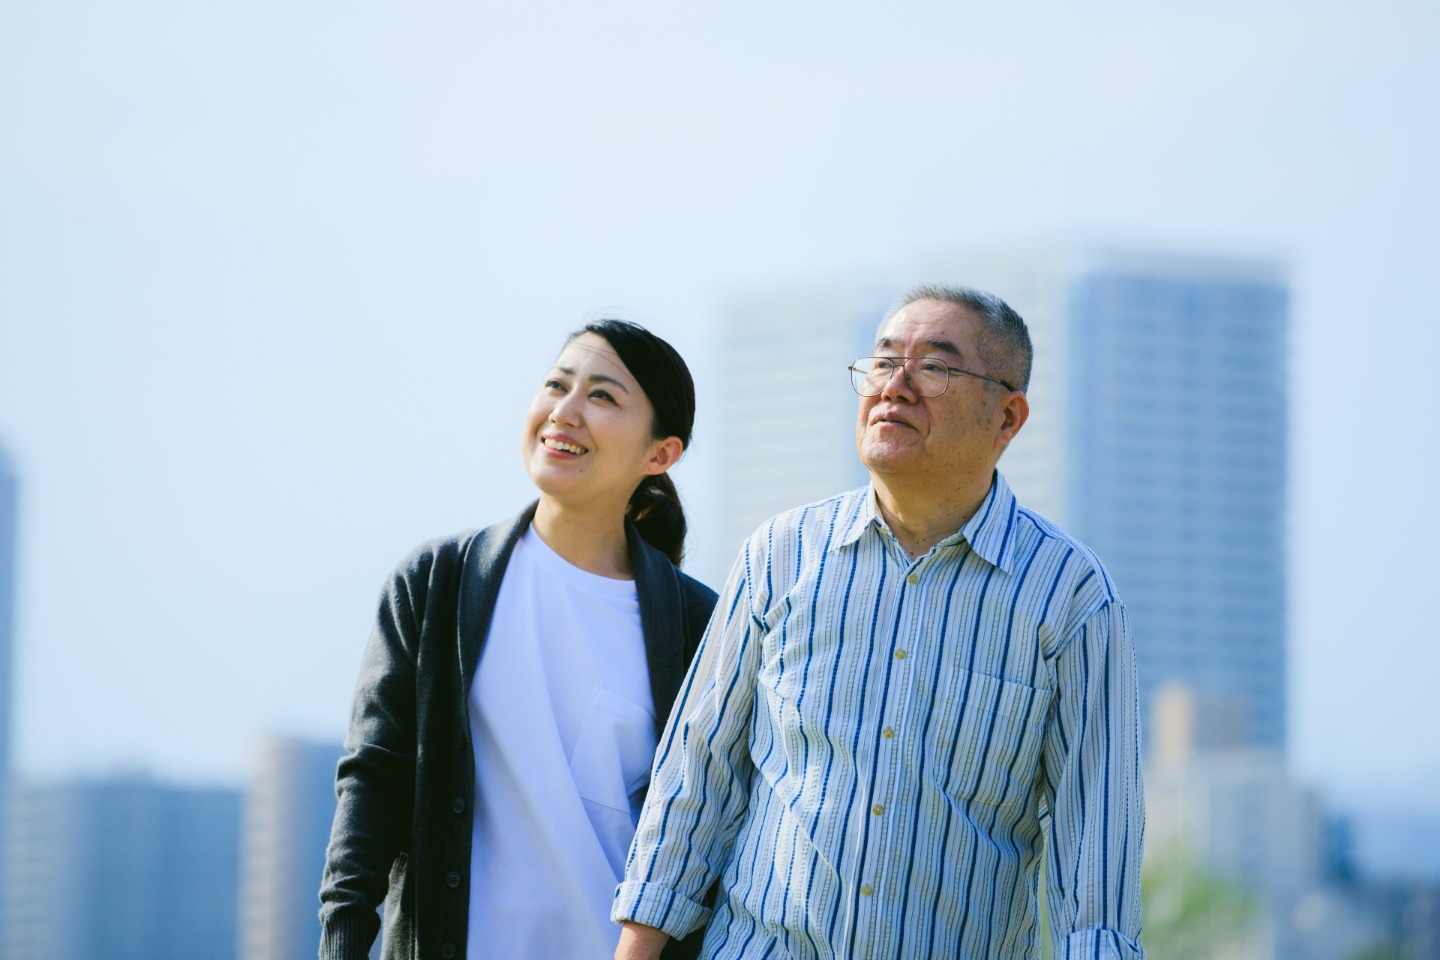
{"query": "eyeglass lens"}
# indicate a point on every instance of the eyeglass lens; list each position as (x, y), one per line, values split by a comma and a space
(869, 375)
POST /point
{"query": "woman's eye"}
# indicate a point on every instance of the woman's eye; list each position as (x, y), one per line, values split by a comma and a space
(602, 395)
(556, 385)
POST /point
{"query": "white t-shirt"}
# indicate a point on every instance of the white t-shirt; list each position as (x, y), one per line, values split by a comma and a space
(564, 734)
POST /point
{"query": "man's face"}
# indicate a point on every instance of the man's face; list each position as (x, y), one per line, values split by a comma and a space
(949, 440)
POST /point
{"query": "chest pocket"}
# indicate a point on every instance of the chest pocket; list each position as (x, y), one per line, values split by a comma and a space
(613, 753)
(987, 750)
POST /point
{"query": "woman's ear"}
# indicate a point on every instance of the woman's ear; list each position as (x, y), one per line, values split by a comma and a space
(664, 455)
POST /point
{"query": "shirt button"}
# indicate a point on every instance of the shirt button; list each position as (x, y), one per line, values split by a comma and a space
(865, 891)
(887, 733)
(899, 654)
(452, 879)
(458, 804)
(877, 809)
(912, 579)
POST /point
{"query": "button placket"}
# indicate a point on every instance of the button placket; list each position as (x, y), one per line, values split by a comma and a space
(878, 860)
(889, 794)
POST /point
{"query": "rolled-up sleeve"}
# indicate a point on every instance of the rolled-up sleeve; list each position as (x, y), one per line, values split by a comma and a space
(702, 774)
(1094, 793)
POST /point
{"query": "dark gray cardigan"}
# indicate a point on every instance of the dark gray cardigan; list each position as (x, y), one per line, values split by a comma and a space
(403, 823)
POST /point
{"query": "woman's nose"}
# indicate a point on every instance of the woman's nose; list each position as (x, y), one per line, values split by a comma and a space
(566, 409)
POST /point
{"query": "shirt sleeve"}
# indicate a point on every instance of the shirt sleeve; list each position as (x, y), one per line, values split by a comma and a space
(1094, 794)
(701, 780)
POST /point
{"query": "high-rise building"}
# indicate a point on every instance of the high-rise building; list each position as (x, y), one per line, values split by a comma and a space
(788, 434)
(289, 805)
(1236, 814)
(1157, 435)
(8, 502)
(1236, 810)
(125, 869)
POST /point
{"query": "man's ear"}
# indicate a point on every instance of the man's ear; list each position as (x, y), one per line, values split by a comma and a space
(665, 454)
(1016, 410)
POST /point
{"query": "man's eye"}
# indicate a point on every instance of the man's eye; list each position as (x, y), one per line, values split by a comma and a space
(882, 365)
(933, 368)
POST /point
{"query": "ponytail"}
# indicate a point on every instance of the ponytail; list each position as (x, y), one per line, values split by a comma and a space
(655, 510)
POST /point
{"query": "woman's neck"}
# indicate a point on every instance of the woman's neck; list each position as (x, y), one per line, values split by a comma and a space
(594, 541)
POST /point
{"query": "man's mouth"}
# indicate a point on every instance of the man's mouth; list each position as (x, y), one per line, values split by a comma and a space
(883, 419)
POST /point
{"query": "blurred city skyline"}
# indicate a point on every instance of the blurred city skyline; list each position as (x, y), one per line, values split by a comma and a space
(276, 285)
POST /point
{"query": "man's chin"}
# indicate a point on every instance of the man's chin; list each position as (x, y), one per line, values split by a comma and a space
(879, 457)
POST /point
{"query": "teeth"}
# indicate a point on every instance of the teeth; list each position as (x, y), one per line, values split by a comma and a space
(561, 445)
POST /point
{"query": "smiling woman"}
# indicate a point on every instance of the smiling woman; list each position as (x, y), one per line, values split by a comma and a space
(594, 442)
(491, 799)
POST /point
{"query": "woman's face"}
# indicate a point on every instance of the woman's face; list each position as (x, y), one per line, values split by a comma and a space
(588, 431)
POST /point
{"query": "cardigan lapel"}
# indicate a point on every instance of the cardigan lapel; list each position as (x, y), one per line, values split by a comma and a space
(662, 620)
(483, 567)
(657, 583)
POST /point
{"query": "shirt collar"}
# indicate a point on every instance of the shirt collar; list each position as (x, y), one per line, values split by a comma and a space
(990, 532)
(866, 514)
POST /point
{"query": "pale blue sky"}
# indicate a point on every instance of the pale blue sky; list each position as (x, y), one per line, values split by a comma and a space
(276, 281)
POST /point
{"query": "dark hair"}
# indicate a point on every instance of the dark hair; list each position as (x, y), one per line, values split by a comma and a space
(1005, 343)
(655, 507)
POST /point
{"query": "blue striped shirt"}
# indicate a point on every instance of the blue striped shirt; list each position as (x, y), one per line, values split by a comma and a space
(871, 751)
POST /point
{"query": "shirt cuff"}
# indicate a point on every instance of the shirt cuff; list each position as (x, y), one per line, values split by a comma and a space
(1098, 945)
(659, 907)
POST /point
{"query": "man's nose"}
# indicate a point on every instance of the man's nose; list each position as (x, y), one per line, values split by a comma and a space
(898, 384)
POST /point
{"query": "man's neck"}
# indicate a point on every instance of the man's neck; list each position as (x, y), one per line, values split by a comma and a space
(919, 518)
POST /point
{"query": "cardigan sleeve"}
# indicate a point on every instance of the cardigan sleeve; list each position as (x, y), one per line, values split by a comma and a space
(374, 782)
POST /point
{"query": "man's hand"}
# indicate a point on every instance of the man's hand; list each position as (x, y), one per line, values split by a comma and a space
(639, 942)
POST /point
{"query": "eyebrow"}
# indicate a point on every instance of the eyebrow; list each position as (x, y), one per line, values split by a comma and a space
(944, 346)
(595, 378)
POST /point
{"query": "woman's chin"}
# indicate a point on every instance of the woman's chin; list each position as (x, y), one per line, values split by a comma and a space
(562, 485)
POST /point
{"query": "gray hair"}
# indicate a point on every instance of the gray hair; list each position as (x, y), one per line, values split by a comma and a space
(1005, 342)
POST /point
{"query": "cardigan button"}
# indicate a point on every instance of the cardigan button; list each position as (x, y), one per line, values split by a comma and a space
(458, 804)
(447, 950)
(452, 879)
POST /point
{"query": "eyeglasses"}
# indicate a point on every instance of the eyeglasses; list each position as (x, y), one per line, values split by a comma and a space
(928, 376)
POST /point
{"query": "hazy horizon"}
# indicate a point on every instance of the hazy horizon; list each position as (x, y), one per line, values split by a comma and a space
(277, 282)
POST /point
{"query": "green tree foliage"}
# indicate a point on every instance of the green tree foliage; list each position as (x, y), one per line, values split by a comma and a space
(1381, 950)
(1189, 912)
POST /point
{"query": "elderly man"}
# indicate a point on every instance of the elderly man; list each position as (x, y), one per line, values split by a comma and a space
(905, 694)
